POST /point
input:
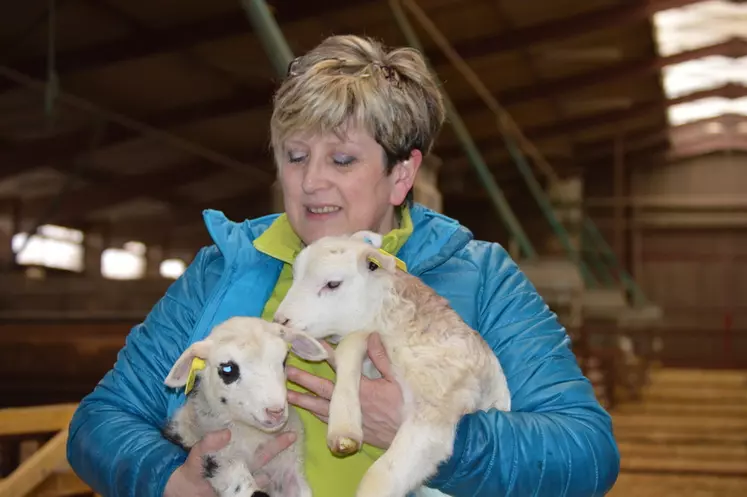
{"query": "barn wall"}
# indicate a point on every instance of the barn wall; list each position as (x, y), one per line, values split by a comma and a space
(686, 243)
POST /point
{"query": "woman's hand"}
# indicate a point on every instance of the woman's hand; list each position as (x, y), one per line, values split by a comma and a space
(188, 479)
(381, 399)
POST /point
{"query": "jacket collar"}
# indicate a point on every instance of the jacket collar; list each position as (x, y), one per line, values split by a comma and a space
(435, 238)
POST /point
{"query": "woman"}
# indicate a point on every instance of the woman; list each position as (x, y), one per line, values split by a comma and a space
(350, 126)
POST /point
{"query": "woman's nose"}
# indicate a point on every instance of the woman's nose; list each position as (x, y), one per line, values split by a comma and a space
(314, 177)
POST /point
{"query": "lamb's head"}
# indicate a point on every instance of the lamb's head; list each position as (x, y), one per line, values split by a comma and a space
(243, 377)
(340, 285)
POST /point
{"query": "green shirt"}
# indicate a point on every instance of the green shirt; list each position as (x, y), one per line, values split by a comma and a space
(328, 475)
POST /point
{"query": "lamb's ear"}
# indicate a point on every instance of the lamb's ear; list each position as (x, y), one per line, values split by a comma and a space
(369, 237)
(179, 373)
(302, 344)
(372, 259)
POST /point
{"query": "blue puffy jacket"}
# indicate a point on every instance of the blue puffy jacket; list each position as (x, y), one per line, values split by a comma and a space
(557, 442)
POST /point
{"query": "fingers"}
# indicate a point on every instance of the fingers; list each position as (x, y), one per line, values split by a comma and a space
(267, 451)
(316, 405)
(213, 441)
(378, 355)
(320, 386)
(262, 479)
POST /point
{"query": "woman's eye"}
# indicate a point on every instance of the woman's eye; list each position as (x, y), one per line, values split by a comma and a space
(296, 157)
(343, 160)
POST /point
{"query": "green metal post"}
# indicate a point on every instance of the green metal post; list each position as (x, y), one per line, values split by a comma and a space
(627, 280)
(598, 266)
(544, 202)
(269, 34)
(470, 149)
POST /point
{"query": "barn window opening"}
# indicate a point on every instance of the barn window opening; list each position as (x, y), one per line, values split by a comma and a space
(52, 246)
(172, 268)
(126, 263)
(708, 86)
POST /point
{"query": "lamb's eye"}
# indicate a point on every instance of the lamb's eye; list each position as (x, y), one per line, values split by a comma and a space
(228, 372)
(372, 266)
(333, 284)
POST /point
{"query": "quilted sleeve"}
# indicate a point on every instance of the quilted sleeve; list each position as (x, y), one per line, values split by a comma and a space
(558, 440)
(115, 443)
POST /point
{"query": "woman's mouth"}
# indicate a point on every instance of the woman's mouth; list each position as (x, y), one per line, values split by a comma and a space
(322, 209)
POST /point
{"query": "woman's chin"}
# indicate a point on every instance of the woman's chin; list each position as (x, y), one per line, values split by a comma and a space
(313, 231)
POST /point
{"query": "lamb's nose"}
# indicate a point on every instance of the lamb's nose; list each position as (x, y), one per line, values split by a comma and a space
(275, 414)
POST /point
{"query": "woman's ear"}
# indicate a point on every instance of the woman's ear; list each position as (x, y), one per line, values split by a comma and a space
(403, 177)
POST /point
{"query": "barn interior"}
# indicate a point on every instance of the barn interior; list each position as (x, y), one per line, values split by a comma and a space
(602, 142)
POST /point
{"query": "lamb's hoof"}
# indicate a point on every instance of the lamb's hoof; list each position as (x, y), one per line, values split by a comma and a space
(343, 446)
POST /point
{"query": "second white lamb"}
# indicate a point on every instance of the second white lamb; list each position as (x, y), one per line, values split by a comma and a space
(237, 380)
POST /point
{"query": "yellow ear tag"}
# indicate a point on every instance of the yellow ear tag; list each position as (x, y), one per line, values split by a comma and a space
(197, 365)
(400, 263)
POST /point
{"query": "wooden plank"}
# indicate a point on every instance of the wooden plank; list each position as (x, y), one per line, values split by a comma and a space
(683, 466)
(722, 377)
(643, 485)
(64, 484)
(673, 202)
(40, 419)
(683, 409)
(673, 425)
(688, 437)
(686, 459)
(36, 469)
(702, 451)
(646, 436)
(666, 393)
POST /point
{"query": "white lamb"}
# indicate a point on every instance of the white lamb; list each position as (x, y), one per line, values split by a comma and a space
(344, 286)
(240, 384)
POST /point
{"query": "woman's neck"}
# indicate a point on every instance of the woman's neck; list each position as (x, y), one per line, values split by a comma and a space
(391, 221)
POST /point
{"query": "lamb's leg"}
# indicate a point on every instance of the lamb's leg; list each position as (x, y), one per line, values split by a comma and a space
(345, 430)
(420, 445)
(229, 476)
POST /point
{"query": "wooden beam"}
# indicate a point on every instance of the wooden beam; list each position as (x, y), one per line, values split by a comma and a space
(600, 19)
(619, 189)
(174, 39)
(638, 109)
(36, 469)
(707, 145)
(41, 419)
(733, 48)
(577, 124)
(85, 201)
(671, 202)
(63, 149)
(233, 24)
(680, 220)
(61, 484)
(57, 149)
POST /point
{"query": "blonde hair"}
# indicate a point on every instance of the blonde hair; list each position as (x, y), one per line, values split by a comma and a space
(352, 80)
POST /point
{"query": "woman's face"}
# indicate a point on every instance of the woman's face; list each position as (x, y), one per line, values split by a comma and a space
(335, 186)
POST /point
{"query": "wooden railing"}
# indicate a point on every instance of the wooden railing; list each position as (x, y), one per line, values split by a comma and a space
(43, 470)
